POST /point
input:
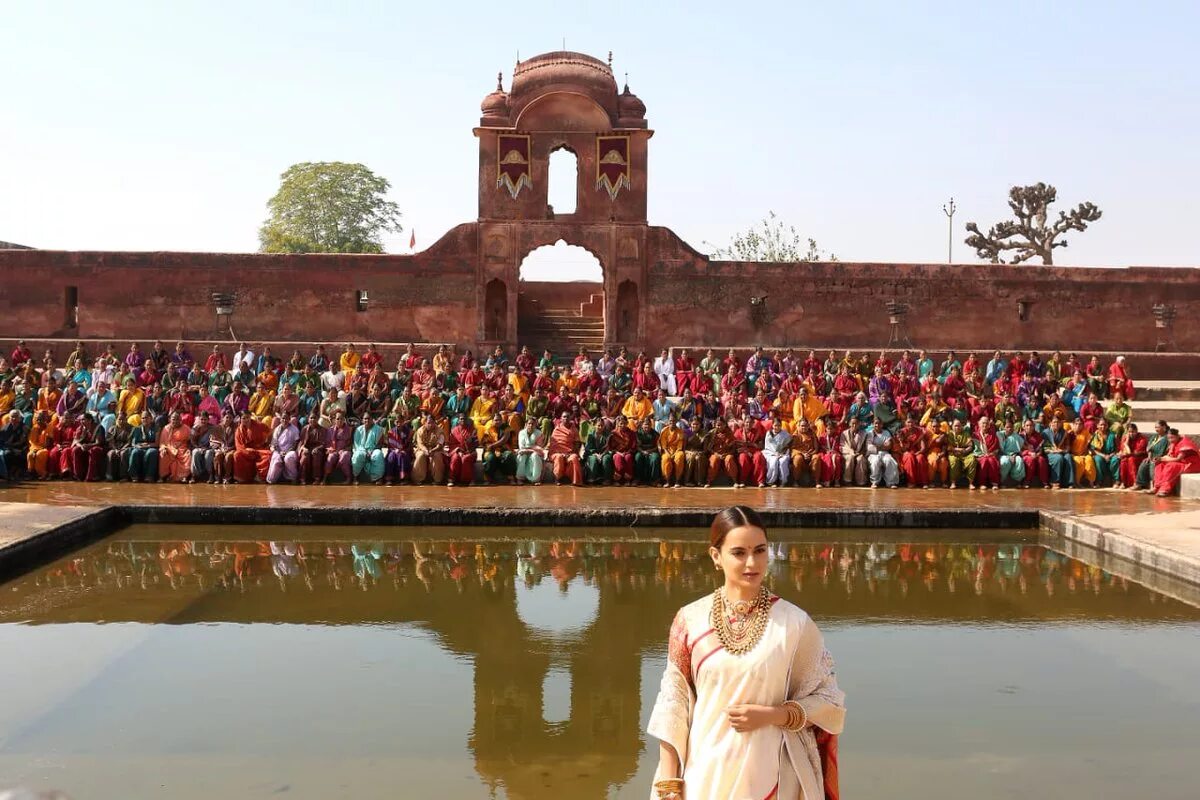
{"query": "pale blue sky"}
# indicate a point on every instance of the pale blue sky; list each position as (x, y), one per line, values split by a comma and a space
(163, 126)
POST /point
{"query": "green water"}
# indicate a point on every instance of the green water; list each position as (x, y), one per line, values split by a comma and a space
(200, 662)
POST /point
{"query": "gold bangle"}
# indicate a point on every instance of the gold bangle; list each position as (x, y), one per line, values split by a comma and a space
(669, 789)
(797, 717)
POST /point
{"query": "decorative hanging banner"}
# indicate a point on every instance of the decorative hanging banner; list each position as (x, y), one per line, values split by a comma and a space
(612, 164)
(512, 168)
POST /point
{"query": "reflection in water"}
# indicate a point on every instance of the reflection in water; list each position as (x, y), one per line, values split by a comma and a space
(556, 628)
(556, 588)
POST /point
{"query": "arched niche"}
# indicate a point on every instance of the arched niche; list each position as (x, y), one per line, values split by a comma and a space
(495, 310)
(628, 311)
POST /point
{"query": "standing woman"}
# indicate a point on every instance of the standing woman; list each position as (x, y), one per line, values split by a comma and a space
(748, 703)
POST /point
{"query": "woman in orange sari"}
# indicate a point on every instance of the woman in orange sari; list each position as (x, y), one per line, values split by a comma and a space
(174, 455)
(41, 439)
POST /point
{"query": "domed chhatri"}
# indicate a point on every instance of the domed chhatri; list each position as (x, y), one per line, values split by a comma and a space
(557, 76)
(631, 111)
(495, 106)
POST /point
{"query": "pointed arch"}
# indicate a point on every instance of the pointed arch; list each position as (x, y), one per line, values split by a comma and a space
(560, 303)
(562, 182)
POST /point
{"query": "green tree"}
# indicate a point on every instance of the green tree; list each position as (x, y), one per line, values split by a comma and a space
(771, 240)
(1029, 236)
(329, 207)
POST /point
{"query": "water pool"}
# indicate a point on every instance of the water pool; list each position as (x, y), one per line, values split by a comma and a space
(193, 662)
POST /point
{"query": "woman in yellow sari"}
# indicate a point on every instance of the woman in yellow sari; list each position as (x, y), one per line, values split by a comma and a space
(262, 405)
(520, 385)
(748, 706)
(483, 409)
(132, 400)
(1081, 457)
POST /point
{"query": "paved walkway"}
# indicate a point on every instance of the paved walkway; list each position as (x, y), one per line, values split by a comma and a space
(20, 521)
(31, 533)
(601, 497)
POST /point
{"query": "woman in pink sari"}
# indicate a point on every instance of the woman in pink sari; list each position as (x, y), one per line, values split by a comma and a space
(1182, 458)
(749, 706)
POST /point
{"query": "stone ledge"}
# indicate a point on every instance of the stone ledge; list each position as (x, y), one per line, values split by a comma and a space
(697, 517)
(1189, 486)
(30, 541)
(1127, 545)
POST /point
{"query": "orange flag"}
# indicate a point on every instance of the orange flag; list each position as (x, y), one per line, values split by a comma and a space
(412, 240)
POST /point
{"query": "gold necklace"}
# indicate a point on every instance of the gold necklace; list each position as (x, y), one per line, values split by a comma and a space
(740, 625)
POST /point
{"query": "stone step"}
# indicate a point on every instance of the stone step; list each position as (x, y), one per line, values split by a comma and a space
(1172, 411)
(1168, 390)
(554, 330)
(1146, 426)
(564, 318)
(1189, 486)
(547, 324)
(566, 350)
(555, 333)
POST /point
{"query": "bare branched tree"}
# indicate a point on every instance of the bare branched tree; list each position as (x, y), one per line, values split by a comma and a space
(1029, 236)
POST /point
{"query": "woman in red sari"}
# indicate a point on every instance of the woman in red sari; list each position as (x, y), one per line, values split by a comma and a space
(1131, 456)
(1119, 379)
(1182, 458)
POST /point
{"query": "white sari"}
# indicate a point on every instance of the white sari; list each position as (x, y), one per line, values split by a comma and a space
(701, 680)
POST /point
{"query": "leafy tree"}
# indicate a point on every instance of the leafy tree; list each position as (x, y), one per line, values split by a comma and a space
(329, 207)
(1029, 236)
(771, 240)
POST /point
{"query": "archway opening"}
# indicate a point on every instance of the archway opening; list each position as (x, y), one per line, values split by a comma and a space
(562, 186)
(560, 303)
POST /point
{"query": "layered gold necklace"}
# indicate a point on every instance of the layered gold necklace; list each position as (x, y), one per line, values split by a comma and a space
(740, 625)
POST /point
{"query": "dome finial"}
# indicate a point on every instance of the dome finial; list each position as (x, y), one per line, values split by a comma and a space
(626, 83)
(499, 81)
(610, 59)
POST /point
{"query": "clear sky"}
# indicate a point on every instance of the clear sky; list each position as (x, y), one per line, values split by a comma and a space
(165, 126)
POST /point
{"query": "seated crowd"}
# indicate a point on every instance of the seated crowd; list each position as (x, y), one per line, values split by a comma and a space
(779, 419)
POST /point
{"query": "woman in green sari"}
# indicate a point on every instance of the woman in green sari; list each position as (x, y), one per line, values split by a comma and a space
(1103, 447)
(1118, 414)
(1156, 449)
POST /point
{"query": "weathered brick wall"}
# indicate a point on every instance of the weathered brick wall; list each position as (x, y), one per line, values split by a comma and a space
(686, 299)
(693, 301)
(429, 296)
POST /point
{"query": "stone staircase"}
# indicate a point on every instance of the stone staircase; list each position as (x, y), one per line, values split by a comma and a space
(1178, 402)
(563, 330)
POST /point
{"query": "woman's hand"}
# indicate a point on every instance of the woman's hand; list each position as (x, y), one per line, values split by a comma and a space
(747, 718)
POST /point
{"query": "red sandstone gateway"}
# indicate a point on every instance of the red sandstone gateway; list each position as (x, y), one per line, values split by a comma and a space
(656, 288)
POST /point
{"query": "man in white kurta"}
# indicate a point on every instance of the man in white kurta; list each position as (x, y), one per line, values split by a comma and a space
(777, 452)
(664, 368)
